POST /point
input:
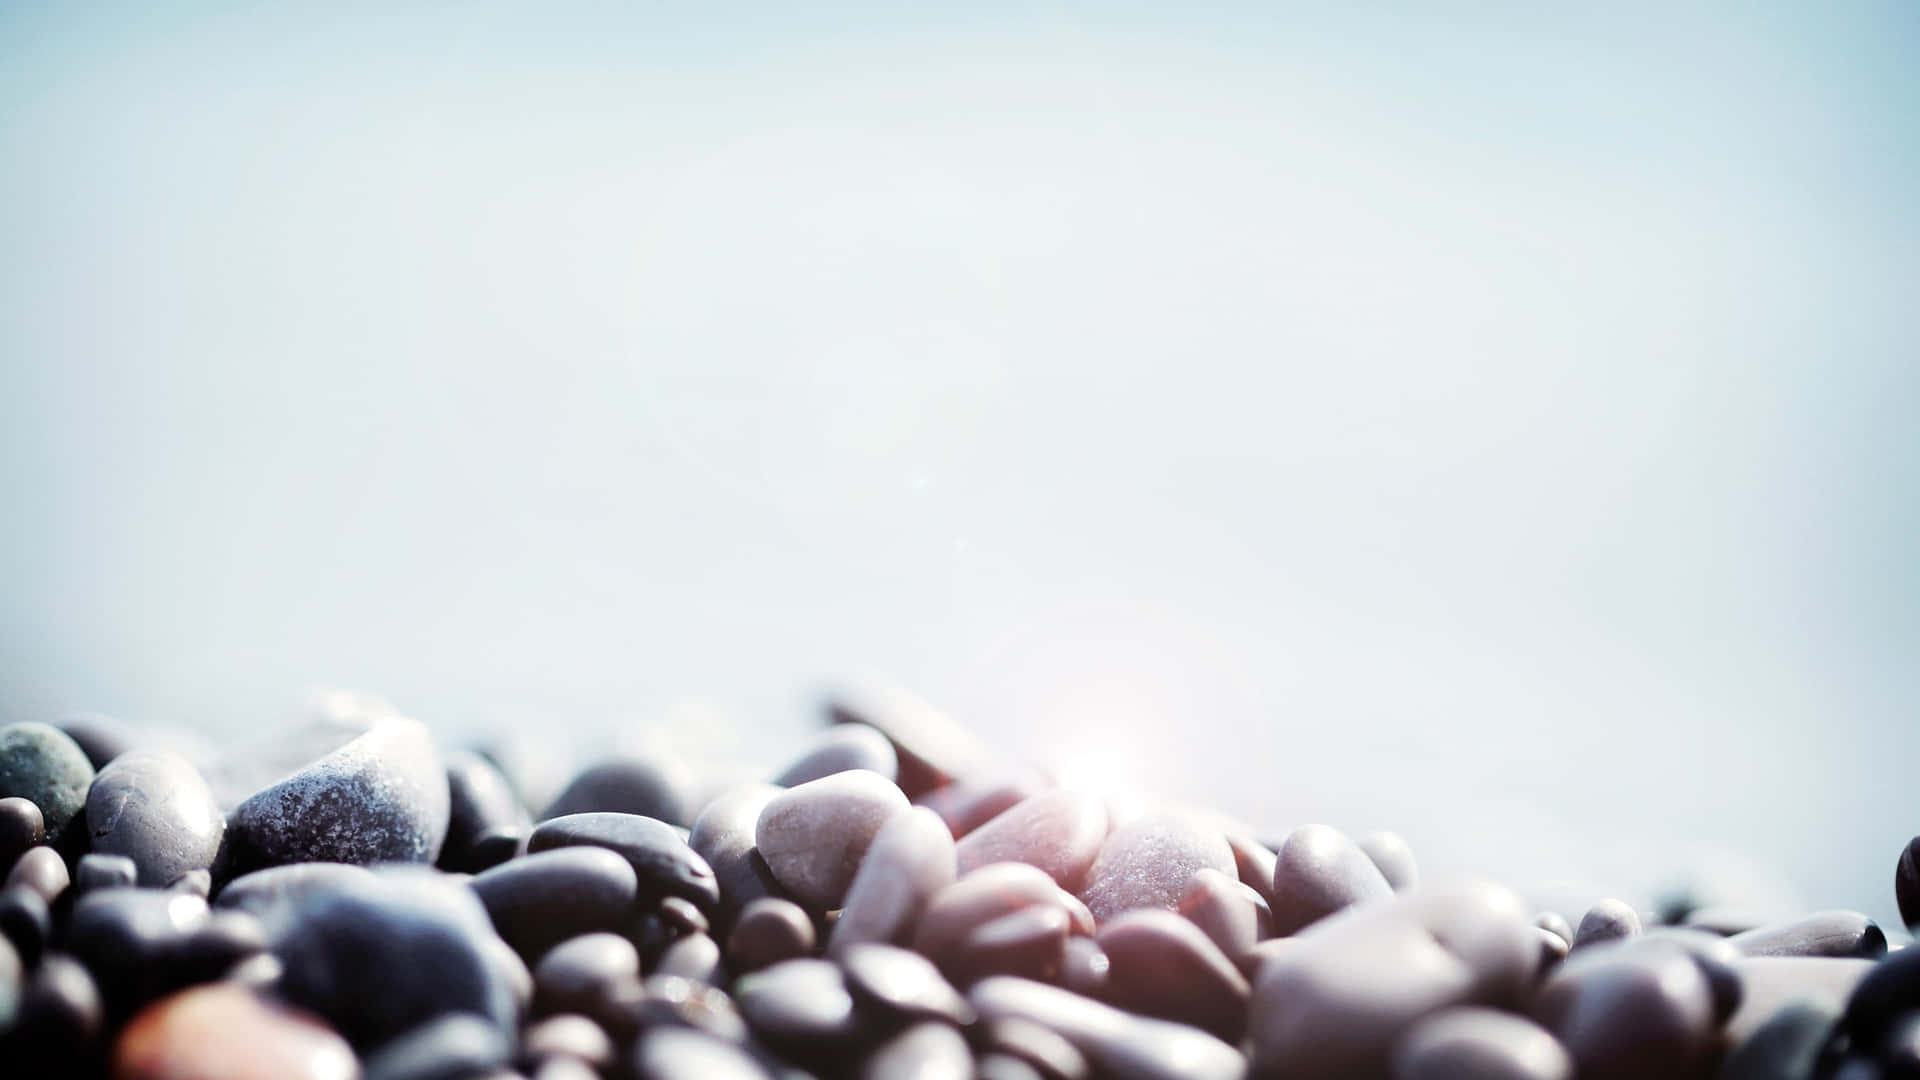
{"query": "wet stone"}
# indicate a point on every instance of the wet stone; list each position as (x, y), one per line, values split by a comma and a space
(769, 931)
(1163, 965)
(484, 814)
(1823, 933)
(538, 901)
(910, 861)
(1392, 857)
(568, 1035)
(1481, 1044)
(97, 871)
(982, 896)
(1117, 1043)
(902, 984)
(42, 870)
(723, 835)
(1059, 832)
(1320, 871)
(154, 808)
(40, 763)
(194, 1034)
(663, 863)
(926, 1051)
(814, 836)
(1606, 920)
(841, 748)
(379, 797)
(799, 1005)
(647, 788)
(670, 1053)
(21, 826)
(579, 975)
(1148, 862)
(1030, 943)
(456, 1046)
(1787, 1047)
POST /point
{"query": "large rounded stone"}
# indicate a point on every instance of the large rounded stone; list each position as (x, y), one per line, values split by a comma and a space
(41, 763)
(1320, 871)
(1148, 862)
(226, 1032)
(1059, 832)
(379, 797)
(541, 900)
(911, 859)
(153, 807)
(1631, 1013)
(813, 836)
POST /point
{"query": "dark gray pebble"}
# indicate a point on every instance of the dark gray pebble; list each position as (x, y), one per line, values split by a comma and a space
(485, 818)
(1606, 920)
(652, 789)
(277, 894)
(1472, 1043)
(1906, 884)
(663, 863)
(21, 827)
(768, 931)
(1148, 862)
(153, 808)
(541, 900)
(723, 835)
(40, 763)
(676, 1053)
(838, 749)
(1392, 857)
(580, 974)
(1889, 989)
(928, 1050)
(129, 938)
(101, 738)
(1165, 966)
(1787, 1046)
(1117, 1043)
(455, 1046)
(568, 1035)
(379, 797)
(799, 1005)
(58, 1027)
(1320, 871)
(224, 941)
(902, 984)
(1631, 1014)
(1823, 933)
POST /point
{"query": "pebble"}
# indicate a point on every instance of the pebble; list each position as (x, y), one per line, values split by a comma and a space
(1060, 832)
(223, 1032)
(40, 763)
(982, 896)
(42, 870)
(278, 894)
(154, 808)
(670, 1053)
(649, 788)
(1823, 933)
(1148, 862)
(930, 748)
(581, 974)
(723, 835)
(1163, 965)
(380, 797)
(903, 984)
(1473, 1043)
(98, 871)
(1049, 1054)
(484, 814)
(814, 836)
(1254, 862)
(1606, 920)
(1085, 967)
(22, 826)
(129, 939)
(1788, 1046)
(454, 1046)
(1887, 990)
(1556, 924)
(768, 931)
(841, 748)
(1630, 1013)
(912, 858)
(1392, 857)
(1319, 871)
(663, 863)
(1906, 884)
(568, 1035)
(926, 1051)
(101, 738)
(968, 804)
(670, 1000)
(799, 1005)
(1119, 1045)
(540, 900)
(58, 1028)
(1030, 942)
(695, 956)
(1230, 913)
(25, 922)
(1769, 984)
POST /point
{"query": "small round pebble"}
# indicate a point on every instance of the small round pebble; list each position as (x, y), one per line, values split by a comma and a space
(42, 764)
(579, 974)
(1606, 920)
(568, 1035)
(813, 836)
(723, 835)
(1906, 884)
(540, 900)
(1787, 1047)
(663, 863)
(99, 871)
(154, 808)
(1630, 1014)
(25, 922)
(982, 896)
(42, 870)
(768, 931)
(1393, 858)
(801, 1004)
(1051, 1056)
(1471, 1043)
(1029, 942)
(482, 809)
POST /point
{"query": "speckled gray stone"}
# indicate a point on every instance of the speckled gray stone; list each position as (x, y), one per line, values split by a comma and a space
(1148, 862)
(42, 763)
(380, 797)
(813, 836)
(153, 807)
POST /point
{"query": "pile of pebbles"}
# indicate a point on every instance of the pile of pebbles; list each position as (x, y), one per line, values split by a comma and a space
(894, 904)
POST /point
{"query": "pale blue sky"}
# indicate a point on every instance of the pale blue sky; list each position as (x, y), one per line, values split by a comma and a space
(1490, 424)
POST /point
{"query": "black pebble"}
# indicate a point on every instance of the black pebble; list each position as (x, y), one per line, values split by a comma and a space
(626, 786)
(485, 815)
(21, 827)
(663, 864)
(541, 900)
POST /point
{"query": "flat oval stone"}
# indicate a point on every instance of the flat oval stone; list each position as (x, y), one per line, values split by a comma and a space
(1906, 884)
(454, 1046)
(153, 807)
(931, 749)
(578, 975)
(1030, 943)
(768, 931)
(1472, 1043)
(1788, 1046)
(192, 1035)
(21, 827)
(911, 860)
(663, 864)
(1630, 1013)
(96, 870)
(1392, 857)
(1119, 1044)
(380, 797)
(482, 807)
(926, 1051)
(1318, 872)
(798, 1004)
(902, 984)
(1058, 831)
(1606, 920)
(813, 836)
(541, 900)
(1148, 861)
(1050, 1055)
(568, 1035)
(649, 788)
(723, 835)
(1225, 910)
(673, 1053)
(982, 896)
(841, 748)
(1165, 966)
(388, 956)
(1823, 933)
(42, 870)
(40, 763)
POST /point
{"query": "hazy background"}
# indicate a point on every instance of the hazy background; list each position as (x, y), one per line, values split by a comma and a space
(1495, 425)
